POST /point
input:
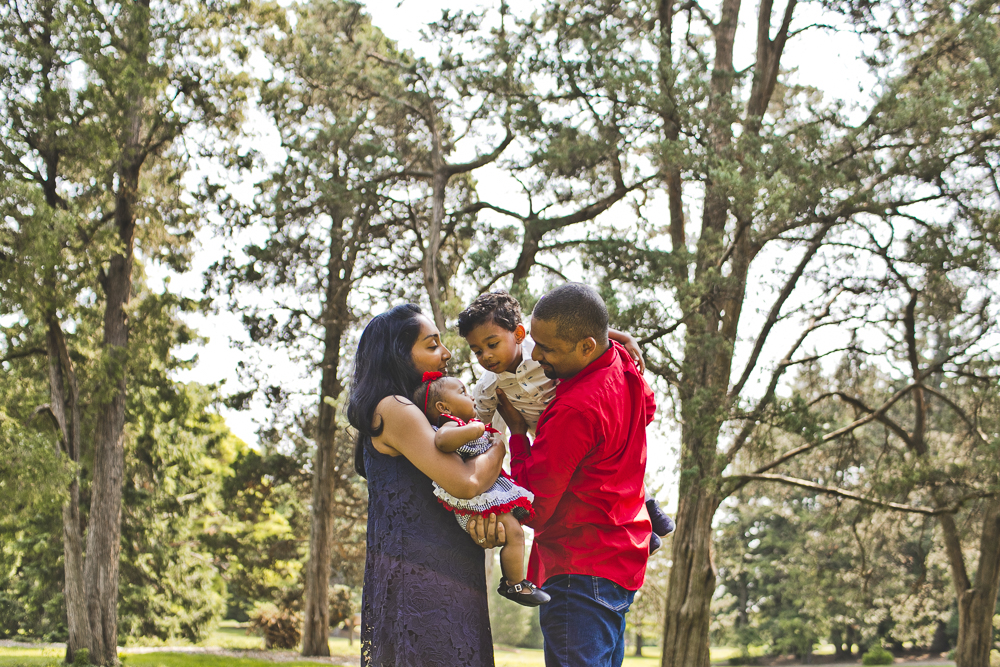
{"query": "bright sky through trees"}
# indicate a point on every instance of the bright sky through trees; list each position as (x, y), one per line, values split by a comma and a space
(825, 58)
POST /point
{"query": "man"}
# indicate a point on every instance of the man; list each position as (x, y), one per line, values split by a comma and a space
(586, 470)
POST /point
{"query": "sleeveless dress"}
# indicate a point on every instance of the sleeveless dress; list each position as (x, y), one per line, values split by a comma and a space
(424, 599)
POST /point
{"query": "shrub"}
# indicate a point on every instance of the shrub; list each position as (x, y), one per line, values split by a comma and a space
(340, 605)
(279, 627)
(81, 658)
(877, 655)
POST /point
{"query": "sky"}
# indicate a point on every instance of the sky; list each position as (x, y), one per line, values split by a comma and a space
(822, 58)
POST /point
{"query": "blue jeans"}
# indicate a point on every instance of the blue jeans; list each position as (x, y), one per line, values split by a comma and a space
(584, 624)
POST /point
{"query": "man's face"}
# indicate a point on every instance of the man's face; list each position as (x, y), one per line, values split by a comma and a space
(496, 349)
(558, 358)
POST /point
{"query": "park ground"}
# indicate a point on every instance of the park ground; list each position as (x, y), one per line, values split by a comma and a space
(231, 646)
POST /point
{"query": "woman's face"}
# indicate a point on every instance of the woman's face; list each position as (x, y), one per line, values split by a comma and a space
(429, 354)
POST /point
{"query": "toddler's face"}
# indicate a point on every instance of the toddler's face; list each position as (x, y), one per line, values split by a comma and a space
(496, 349)
(455, 398)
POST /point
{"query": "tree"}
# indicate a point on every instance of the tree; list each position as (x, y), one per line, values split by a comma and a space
(97, 97)
(323, 208)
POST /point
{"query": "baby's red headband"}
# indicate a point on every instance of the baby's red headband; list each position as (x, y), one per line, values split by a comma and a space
(429, 378)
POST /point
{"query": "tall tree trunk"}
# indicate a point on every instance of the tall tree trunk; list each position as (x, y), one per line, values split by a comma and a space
(316, 623)
(104, 530)
(65, 405)
(977, 603)
(692, 581)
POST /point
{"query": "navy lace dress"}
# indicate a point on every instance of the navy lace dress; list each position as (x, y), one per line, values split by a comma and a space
(424, 600)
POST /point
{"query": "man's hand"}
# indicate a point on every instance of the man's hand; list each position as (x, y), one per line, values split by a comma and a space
(488, 532)
(514, 419)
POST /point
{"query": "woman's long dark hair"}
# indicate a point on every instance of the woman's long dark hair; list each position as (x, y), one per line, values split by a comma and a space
(383, 366)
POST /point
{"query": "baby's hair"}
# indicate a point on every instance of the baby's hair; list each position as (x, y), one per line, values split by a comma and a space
(427, 395)
(499, 307)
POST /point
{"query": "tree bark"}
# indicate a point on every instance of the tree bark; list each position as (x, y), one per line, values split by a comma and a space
(977, 603)
(336, 317)
(104, 529)
(65, 405)
(692, 582)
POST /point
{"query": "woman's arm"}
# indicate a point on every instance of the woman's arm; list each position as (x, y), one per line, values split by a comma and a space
(407, 432)
(631, 346)
(451, 436)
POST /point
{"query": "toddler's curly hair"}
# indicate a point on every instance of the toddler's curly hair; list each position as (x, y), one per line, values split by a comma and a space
(498, 307)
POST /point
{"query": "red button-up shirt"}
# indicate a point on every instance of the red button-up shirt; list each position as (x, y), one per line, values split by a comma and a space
(586, 470)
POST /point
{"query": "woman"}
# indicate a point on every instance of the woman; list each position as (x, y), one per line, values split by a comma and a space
(424, 600)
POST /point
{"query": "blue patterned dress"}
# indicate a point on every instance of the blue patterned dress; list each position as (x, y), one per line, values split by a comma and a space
(424, 600)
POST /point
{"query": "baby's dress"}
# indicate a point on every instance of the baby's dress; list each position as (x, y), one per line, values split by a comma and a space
(504, 496)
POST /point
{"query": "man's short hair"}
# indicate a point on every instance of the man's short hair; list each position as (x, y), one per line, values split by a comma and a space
(578, 311)
(500, 308)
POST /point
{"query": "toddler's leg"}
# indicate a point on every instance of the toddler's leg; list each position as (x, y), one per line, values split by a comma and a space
(512, 553)
(514, 586)
(663, 525)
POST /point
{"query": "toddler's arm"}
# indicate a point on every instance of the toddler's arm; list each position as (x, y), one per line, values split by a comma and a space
(451, 436)
(631, 346)
(485, 397)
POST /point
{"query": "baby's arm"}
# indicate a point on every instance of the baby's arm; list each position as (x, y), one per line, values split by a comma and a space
(451, 436)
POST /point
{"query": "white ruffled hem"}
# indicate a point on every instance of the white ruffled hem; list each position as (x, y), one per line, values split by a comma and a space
(487, 499)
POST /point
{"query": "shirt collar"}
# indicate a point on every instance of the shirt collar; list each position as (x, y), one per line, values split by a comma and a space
(611, 357)
(527, 345)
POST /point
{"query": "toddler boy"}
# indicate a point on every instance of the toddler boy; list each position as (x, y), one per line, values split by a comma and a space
(493, 328)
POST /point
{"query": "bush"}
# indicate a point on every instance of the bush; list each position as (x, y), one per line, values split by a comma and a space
(81, 658)
(877, 655)
(279, 627)
(340, 605)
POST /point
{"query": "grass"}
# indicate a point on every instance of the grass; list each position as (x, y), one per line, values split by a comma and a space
(505, 657)
(53, 658)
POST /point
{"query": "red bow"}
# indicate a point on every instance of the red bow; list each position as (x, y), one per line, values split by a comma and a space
(429, 378)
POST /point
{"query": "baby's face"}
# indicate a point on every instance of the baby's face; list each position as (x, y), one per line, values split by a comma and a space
(496, 349)
(455, 398)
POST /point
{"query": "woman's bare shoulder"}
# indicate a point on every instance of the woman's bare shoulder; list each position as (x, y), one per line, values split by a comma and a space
(390, 406)
(397, 415)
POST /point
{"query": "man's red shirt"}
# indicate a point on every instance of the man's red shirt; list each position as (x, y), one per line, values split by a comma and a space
(586, 470)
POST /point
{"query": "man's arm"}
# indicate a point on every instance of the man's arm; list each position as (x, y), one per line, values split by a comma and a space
(546, 468)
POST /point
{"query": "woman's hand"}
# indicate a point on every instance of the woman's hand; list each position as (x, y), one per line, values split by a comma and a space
(488, 532)
(498, 440)
(514, 419)
(407, 432)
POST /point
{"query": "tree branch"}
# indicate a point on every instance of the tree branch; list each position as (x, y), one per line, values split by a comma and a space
(850, 495)
(21, 354)
(772, 317)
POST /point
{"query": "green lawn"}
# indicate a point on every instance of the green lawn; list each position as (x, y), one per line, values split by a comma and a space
(235, 638)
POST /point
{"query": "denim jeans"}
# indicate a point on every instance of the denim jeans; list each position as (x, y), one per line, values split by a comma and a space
(584, 624)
